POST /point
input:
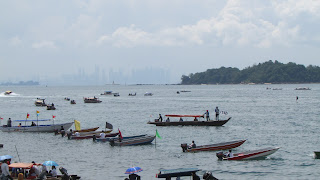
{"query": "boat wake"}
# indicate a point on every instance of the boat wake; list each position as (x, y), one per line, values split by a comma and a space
(2, 94)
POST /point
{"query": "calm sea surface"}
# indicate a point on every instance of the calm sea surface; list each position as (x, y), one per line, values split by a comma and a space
(264, 117)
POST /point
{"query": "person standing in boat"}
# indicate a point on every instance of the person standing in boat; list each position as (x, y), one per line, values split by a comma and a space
(207, 115)
(217, 113)
(9, 122)
(160, 118)
(5, 170)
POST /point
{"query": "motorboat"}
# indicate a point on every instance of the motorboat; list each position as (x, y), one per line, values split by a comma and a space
(107, 93)
(51, 107)
(40, 102)
(213, 147)
(132, 94)
(72, 102)
(148, 94)
(116, 94)
(107, 139)
(302, 88)
(7, 92)
(37, 127)
(67, 99)
(91, 100)
(194, 122)
(248, 155)
(147, 139)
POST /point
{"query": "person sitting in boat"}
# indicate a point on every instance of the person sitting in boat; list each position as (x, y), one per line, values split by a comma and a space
(53, 172)
(160, 117)
(167, 120)
(230, 154)
(102, 135)
(9, 122)
(33, 124)
(192, 145)
(180, 119)
(195, 119)
(19, 125)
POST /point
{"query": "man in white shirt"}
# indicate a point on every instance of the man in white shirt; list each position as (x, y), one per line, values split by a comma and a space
(54, 172)
(102, 135)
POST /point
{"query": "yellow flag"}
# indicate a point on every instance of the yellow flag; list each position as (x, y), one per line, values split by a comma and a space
(77, 125)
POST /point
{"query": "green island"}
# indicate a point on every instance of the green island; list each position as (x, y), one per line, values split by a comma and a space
(267, 72)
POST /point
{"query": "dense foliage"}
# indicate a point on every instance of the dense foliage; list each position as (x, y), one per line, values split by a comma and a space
(267, 72)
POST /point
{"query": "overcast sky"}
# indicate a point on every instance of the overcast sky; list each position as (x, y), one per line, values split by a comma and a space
(48, 38)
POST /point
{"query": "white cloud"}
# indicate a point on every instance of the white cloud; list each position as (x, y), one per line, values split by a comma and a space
(239, 23)
(15, 41)
(44, 44)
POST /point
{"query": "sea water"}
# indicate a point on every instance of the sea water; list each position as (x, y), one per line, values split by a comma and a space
(264, 117)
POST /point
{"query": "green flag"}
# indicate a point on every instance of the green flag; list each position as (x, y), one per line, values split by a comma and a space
(158, 135)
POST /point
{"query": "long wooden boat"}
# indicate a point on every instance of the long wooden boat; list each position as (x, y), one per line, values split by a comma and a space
(38, 128)
(248, 155)
(87, 130)
(317, 154)
(90, 136)
(213, 147)
(195, 122)
(133, 141)
(180, 172)
(107, 139)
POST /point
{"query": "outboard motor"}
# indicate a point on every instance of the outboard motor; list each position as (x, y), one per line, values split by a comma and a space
(220, 155)
(184, 147)
(94, 137)
(208, 176)
(64, 173)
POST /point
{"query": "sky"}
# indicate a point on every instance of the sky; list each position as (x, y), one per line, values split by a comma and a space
(48, 39)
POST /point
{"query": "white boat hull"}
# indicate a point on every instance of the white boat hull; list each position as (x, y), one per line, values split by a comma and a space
(39, 128)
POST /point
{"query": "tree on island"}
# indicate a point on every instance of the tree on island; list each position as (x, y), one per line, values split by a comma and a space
(267, 72)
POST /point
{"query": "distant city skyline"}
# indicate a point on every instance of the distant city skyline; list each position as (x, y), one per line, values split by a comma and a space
(103, 77)
(51, 40)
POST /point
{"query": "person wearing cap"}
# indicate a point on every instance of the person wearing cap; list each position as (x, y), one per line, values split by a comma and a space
(207, 115)
(217, 113)
(5, 169)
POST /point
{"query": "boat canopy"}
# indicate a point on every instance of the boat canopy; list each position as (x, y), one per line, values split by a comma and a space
(21, 165)
(164, 173)
(176, 115)
(32, 120)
